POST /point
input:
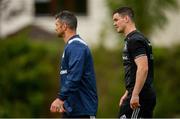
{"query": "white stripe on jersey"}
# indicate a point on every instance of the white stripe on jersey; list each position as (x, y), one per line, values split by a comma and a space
(77, 39)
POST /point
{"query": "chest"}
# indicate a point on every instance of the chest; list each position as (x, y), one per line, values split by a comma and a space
(125, 54)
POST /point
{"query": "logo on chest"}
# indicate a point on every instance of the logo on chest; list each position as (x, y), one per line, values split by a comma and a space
(63, 72)
(63, 55)
(125, 52)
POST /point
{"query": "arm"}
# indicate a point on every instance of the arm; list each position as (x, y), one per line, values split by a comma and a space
(76, 59)
(141, 75)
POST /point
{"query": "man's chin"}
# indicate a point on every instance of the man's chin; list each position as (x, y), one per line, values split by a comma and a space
(119, 31)
(59, 35)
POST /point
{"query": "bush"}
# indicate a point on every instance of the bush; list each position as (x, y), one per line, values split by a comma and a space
(29, 73)
(167, 75)
(26, 72)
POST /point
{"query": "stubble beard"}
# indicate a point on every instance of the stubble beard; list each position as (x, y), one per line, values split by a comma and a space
(60, 35)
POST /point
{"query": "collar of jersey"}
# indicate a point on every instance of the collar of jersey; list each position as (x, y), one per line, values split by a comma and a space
(130, 34)
(75, 36)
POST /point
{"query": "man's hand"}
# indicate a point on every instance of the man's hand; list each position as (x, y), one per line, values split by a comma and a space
(57, 106)
(123, 98)
(134, 103)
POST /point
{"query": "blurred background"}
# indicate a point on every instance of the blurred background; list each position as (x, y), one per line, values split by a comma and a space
(30, 53)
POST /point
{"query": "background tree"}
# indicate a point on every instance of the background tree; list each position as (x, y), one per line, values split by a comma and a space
(149, 14)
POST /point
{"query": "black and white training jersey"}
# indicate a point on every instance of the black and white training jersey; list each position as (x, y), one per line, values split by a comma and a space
(136, 45)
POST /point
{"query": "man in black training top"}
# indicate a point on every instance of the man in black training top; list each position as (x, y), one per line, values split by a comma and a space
(139, 98)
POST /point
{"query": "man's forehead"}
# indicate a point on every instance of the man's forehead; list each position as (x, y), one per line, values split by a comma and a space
(57, 20)
(116, 15)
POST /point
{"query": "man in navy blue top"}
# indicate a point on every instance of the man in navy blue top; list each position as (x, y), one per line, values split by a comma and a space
(77, 97)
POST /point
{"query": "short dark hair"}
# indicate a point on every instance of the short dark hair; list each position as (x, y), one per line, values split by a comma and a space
(68, 17)
(125, 11)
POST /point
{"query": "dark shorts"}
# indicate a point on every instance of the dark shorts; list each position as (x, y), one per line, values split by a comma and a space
(144, 111)
(64, 115)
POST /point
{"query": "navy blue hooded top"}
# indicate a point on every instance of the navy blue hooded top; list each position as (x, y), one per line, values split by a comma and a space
(78, 83)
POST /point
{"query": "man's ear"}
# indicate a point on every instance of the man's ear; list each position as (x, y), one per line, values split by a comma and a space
(65, 26)
(126, 18)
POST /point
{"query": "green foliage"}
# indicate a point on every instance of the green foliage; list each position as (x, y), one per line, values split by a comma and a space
(167, 75)
(148, 13)
(26, 73)
(29, 78)
(109, 84)
(110, 81)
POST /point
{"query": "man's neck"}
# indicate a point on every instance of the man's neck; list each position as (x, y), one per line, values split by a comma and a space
(129, 29)
(68, 35)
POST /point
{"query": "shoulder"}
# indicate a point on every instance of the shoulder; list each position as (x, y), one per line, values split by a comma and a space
(136, 41)
(77, 45)
(136, 38)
